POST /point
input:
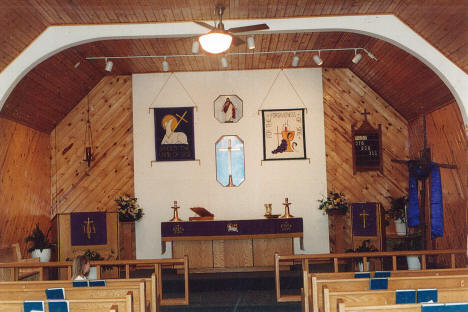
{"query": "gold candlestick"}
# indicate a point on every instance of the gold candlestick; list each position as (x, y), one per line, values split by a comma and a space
(268, 209)
(286, 209)
(175, 218)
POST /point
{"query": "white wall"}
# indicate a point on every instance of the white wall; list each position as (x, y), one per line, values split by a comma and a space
(193, 184)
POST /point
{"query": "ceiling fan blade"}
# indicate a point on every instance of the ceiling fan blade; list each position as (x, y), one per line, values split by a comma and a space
(248, 28)
(205, 25)
(237, 41)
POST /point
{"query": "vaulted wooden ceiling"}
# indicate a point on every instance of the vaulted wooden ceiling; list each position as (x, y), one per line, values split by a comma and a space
(49, 91)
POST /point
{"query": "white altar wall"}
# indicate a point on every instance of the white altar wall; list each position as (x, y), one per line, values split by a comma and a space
(194, 184)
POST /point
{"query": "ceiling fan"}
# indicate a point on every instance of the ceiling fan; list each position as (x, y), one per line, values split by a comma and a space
(218, 40)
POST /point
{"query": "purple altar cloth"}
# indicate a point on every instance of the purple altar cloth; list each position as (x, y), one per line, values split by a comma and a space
(231, 228)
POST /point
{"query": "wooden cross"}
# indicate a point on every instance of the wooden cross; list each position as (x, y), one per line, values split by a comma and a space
(424, 161)
(364, 214)
(229, 149)
(365, 114)
(89, 228)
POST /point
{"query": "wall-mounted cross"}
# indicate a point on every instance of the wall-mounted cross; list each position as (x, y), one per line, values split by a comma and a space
(365, 113)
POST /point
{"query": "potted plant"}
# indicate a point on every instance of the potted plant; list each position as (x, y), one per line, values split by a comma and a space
(93, 255)
(129, 209)
(397, 213)
(335, 203)
(40, 244)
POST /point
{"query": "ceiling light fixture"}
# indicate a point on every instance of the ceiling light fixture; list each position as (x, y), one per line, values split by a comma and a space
(224, 62)
(295, 60)
(109, 65)
(165, 65)
(216, 41)
(357, 57)
(195, 47)
(251, 42)
(317, 59)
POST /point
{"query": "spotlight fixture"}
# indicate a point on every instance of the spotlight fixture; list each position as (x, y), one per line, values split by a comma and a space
(372, 56)
(317, 59)
(109, 65)
(195, 47)
(357, 57)
(251, 43)
(77, 64)
(295, 60)
(165, 65)
(224, 62)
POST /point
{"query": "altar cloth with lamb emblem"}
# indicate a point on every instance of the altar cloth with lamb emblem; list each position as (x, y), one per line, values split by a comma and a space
(232, 244)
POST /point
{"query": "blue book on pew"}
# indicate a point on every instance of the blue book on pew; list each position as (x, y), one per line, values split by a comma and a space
(405, 296)
(59, 306)
(427, 295)
(97, 283)
(80, 283)
(55, 293)
(456, 307)
(30, 306)
(378, 283)
(433, 307)
(382, 274)
(362, 275)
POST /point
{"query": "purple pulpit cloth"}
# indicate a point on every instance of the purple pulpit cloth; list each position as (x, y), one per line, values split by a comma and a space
(88, 228)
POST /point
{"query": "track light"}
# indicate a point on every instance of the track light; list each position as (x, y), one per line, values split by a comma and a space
(195, 47)
(165, 65)
(224, 62)
(372, 56)
(295, 60)
(317, 59)
(109, 65)
(357, 57)
(251, 43)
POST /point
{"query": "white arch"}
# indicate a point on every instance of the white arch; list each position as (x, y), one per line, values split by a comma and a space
(385, 27)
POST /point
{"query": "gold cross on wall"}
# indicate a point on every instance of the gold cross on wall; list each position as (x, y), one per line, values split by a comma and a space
(364, 214)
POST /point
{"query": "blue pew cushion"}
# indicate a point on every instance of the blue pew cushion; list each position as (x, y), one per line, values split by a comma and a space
(362, 275)
(432, 307)
(456, 307)
(427, 295)
(378, 283)
(80, 283)
(59, 306)
(97, 283)
(31, 305)
(55, 293)
(382, 274)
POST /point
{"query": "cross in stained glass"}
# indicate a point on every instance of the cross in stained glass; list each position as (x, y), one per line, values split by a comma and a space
(230, 169)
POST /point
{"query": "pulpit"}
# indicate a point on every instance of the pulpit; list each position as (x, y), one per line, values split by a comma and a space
(232, 245)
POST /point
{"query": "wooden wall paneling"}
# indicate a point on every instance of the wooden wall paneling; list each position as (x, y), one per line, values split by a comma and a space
(345, 97)
(111, 173)
(24, 183)
(448, 143)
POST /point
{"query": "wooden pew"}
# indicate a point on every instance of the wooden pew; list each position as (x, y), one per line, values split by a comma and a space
(414, 307)
(13, 254)
(382, 297)
(37, 292)
(117, 304)
(358, 284)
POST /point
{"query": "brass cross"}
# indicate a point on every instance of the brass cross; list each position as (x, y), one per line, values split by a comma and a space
(364, 214)
(89, 228)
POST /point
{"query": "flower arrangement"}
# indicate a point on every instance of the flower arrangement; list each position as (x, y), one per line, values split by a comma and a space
(334, 202)
(397, 209)
(129, 210)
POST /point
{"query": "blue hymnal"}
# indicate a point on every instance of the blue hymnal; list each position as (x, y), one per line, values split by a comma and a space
(59, 306)
(97, 283)
(362, 275)
(405, 296)
(378, 283)
(80, 284)
(55, 293)
(456, 307)
(33, 306)
(429, 307)
(382, 274)
(427, 295)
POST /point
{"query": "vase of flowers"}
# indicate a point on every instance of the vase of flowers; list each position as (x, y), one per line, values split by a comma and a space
(334, 204)
(129, 209)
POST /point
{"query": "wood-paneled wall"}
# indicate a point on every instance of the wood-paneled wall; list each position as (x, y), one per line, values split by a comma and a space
(74, 186)
(24, 182)
(345, 97)
(447, 140)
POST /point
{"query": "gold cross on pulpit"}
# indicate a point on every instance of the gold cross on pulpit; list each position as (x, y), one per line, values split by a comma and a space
(364, 214)
(89, 228)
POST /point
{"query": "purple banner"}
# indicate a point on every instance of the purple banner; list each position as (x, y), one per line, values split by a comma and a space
(364, 219)
(88, 228)
(231, 227)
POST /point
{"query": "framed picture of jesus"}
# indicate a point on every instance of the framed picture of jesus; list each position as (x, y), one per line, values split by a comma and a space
(283, 134)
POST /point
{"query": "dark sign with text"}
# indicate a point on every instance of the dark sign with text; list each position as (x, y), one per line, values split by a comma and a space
(367, 148)
(174, 133)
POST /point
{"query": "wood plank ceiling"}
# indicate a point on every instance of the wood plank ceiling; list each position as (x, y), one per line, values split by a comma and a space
(49, 91)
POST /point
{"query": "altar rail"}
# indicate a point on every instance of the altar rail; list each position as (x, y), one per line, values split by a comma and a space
(157, 264)
(338, 258)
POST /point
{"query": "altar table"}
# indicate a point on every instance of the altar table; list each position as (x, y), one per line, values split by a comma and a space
(241, 244)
